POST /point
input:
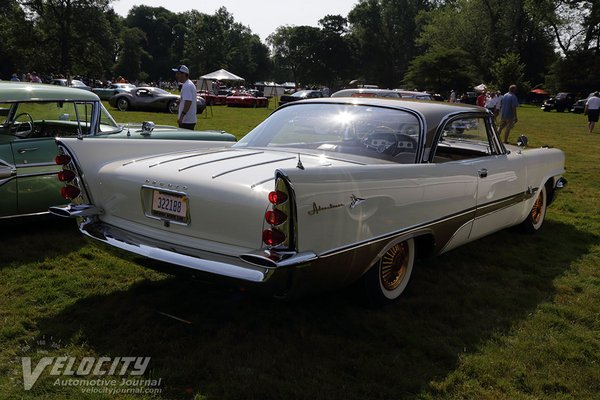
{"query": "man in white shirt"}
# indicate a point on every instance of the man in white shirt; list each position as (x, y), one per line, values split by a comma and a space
(492, 103)
(592, 110)
(187, 100)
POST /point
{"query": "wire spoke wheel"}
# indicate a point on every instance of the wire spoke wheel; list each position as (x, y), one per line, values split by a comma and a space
(394, 265)
(537, 214)
(389, 274)
(537, 210)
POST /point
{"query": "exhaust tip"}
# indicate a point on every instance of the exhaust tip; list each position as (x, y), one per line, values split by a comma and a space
(60, 211)
(258, 260)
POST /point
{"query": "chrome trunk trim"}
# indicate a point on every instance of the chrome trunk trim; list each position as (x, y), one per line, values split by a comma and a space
(221, 159)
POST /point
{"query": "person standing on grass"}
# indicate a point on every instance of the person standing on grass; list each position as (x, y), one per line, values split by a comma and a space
(508, 112)
(592, 110)
(481, 99)
(187, 100)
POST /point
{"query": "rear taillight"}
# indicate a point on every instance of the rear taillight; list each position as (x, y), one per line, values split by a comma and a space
(69, 192)
(279, 216)
(275, 217)
(66, 175)
(277, 197)
(69, 175)
(273, 237)
(62, 159)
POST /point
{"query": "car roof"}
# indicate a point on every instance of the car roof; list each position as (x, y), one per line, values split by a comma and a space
(433, 112)
(412, 92)
(25, 91)
(345, 92)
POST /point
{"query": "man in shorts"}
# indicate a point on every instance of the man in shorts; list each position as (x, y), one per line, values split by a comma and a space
(508, 112)
(592, 110)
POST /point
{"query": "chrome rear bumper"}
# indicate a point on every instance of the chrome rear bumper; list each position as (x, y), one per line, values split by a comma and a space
(273, 276)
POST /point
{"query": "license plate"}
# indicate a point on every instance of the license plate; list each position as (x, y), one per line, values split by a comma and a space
(172, 206)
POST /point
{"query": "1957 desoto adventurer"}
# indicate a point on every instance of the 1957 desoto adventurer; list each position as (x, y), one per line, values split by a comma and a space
(322, 193)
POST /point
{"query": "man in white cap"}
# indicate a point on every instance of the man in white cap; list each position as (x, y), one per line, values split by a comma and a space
(187, 100)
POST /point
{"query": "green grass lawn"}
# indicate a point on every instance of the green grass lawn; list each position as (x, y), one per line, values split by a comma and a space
(235, 120)
(510, 316)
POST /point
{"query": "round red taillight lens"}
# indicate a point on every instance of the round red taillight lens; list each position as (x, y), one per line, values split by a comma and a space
(273, 237)
(66, 175)
(277, 197)
(69, 192)
(62, 159)
(275, 217)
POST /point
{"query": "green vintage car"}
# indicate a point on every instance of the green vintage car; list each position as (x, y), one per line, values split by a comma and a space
(32, 116)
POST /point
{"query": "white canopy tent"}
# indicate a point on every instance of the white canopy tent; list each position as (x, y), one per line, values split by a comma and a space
(480, 88)
(222, 75)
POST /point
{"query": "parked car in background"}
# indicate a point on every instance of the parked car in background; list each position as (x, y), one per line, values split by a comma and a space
(411, 94)
(321, 194)
(561, 102)
(365, 92)
(150, 99)
(74, 83)
(212, 99)
(246, 99)
(32, 116)
(300, 95)
(579, 106)
(105, 93)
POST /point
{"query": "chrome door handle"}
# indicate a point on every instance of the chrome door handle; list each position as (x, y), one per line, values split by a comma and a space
(483, 173)
(23, 151)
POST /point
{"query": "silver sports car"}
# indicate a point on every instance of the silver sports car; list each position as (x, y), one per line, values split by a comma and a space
(150, 99)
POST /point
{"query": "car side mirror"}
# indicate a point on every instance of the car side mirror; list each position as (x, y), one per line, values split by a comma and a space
(147, 127)
(522, 141)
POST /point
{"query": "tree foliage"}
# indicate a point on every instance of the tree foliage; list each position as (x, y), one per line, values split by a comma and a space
(430, 44)
(441, 70)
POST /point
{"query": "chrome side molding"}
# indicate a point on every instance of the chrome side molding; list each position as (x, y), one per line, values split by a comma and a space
(76, 211)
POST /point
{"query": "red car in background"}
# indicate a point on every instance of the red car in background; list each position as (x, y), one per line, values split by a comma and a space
(212, 99)
(245, 99)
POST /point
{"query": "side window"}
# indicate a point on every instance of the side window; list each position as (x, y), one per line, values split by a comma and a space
(464, 138)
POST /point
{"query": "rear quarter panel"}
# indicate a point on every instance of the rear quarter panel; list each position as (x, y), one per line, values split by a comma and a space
(396, 197)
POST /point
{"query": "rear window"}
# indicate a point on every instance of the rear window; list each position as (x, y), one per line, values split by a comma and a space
(366, 131)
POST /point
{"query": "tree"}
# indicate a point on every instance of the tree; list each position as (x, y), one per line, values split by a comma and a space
(159, 27)
(17, 34)
(385, 33)
(509, 70)
(578, 71)
(217, 41)
(441, 70)
(487, 30)
(65, 23)
(295, 51)
(133, 55)
(335, 51)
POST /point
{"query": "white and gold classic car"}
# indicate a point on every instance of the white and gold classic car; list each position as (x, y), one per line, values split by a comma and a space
(321, 194)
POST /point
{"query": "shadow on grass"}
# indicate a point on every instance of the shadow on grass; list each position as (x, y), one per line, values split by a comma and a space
(329, 346)
(30, 239)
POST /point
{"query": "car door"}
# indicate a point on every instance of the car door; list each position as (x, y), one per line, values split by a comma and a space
(37, 184)
(8, 182)
(144, 99)
(471, 141)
